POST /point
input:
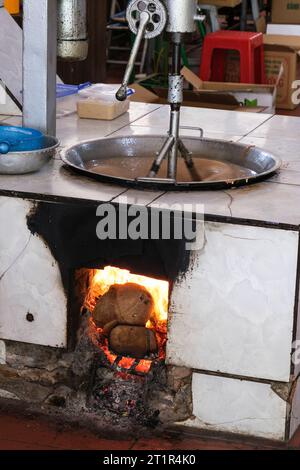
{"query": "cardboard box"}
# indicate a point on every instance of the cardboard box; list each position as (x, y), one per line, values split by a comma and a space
(221, 3)
(284, 29)
(282, 52)
(227, 96)
(142, 94)
(286, 11)
(236, 93)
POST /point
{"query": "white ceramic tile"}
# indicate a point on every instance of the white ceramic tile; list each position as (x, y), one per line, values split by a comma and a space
(71, 129)
(285, 149)
(137, 111)
(55, 180)
(284, 127)
(232, 311)
(286, 177)
(30, 282)
(143, 130)
(211, 120)
(237, 406)
(137, 197)
(269, 202)
(212, 202)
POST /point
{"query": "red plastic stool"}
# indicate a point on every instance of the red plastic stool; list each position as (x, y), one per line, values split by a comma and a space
(250, 47)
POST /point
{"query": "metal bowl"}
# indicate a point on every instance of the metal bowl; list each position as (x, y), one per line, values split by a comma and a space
(19, 163)
(127, 160)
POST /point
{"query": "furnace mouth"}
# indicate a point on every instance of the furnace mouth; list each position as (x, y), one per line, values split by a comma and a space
(127, 319)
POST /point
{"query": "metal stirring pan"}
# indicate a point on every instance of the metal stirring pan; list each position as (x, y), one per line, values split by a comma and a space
(127, 160)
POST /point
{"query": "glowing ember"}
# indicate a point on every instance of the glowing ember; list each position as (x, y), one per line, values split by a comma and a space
(143, 366)
(126, 363)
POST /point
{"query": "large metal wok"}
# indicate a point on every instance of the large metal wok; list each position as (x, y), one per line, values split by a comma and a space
(126, 160)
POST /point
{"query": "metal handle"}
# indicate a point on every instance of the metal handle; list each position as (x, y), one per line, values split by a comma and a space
(121, 94)
(192, 128)
(146, 179)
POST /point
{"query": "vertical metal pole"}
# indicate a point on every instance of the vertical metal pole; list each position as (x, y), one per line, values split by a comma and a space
(39, 64)
(175, 100)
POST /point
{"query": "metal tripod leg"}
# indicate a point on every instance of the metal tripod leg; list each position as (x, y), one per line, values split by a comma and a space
(173, 143)
(169, 146)
(187, 156)
(173, 154)
(161, 155)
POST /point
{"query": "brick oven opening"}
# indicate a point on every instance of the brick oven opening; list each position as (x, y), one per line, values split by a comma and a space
(124, 328)
(127, 318)
(117, 295)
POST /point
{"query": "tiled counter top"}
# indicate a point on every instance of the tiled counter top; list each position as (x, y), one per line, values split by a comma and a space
(272, 202)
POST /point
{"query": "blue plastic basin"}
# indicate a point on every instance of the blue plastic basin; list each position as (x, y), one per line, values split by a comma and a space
(20, 139)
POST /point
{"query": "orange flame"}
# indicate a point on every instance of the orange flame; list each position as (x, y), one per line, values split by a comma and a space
(103, 279)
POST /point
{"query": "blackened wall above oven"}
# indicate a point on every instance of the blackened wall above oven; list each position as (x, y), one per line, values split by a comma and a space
(69, 230)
